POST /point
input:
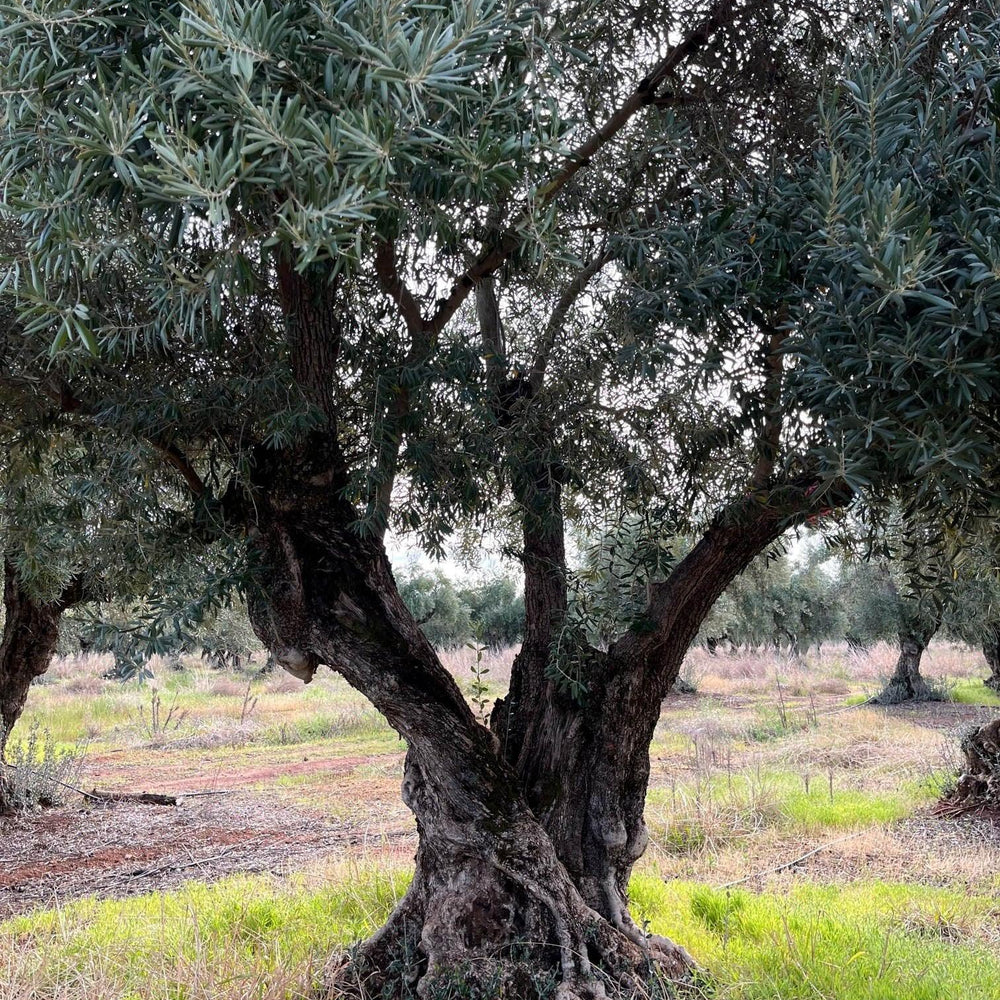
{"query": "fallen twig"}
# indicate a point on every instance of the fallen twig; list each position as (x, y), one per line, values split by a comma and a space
(143, 798)
(218, 791)
(789, 864)
(163, 869)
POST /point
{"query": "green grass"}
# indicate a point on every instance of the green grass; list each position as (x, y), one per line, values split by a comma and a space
(973, 692)
(356, 724)
(259, 937)
(248, 936)
(866, 941)
(706, 814)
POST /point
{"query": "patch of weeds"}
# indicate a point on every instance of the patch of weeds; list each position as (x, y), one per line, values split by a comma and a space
(39, 772)
(845, 808)
(773, 724)
(972, 692)
(870, 940)
(685, 837)
(716, 910)
(713, 811)
(352, 723)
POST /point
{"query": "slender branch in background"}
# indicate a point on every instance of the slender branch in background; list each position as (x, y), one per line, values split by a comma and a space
(390, 281)
(421, 343)
(175, 457)
(491, 329)
(556, 321)
(646, 93)
(57, 390)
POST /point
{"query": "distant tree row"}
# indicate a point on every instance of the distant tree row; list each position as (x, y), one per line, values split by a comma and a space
(490, 613)
(899, 593)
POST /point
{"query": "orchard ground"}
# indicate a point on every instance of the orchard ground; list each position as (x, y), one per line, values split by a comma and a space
(795, 849)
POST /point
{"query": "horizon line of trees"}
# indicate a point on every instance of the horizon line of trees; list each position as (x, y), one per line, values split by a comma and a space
(779, 603)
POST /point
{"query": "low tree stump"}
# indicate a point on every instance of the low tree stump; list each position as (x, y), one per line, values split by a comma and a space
(979, 783)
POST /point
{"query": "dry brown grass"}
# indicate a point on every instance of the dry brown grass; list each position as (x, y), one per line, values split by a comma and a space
(461, 663)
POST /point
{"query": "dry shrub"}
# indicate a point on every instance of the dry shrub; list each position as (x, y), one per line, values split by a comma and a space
(744, 667)
(88, 684)
(830, 685)
(225, 687)
(220, 733)
(865, 738)
(75, 668)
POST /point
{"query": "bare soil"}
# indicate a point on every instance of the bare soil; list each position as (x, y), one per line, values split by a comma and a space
(127, 849)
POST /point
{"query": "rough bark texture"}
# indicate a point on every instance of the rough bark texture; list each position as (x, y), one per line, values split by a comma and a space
(583, 762)
(991, 652)
(31, 631)
(906, 683)
(979, 783)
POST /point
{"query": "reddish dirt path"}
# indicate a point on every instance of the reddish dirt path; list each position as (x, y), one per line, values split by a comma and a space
(130, 849)
(163, 770)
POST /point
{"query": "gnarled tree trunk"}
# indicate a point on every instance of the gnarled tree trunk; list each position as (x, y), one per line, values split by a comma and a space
(527, 833)
(906, 682)
(979, 783)
(991, 652)
(491, 900)
(31, 631)
(584, 762)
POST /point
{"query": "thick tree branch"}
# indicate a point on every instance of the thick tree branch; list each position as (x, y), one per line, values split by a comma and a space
(678, 606)
(646, 93)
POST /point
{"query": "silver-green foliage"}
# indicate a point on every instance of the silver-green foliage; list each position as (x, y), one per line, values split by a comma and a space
(138, 133)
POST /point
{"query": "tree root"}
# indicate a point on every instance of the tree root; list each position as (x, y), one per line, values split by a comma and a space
(900, 690)
(505, 936)
(7, 806)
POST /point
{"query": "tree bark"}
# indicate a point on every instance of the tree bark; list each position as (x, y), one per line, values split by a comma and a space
(31, 631)
(978, 785)
(583, 763)
(991, 652)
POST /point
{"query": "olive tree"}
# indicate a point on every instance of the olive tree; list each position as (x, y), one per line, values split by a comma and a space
(337, 262)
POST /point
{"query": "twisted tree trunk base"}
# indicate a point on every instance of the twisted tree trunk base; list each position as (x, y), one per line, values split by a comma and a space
(493, 913)
(481, 935)
(906, 683)
(7, 803)
(991, 653)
